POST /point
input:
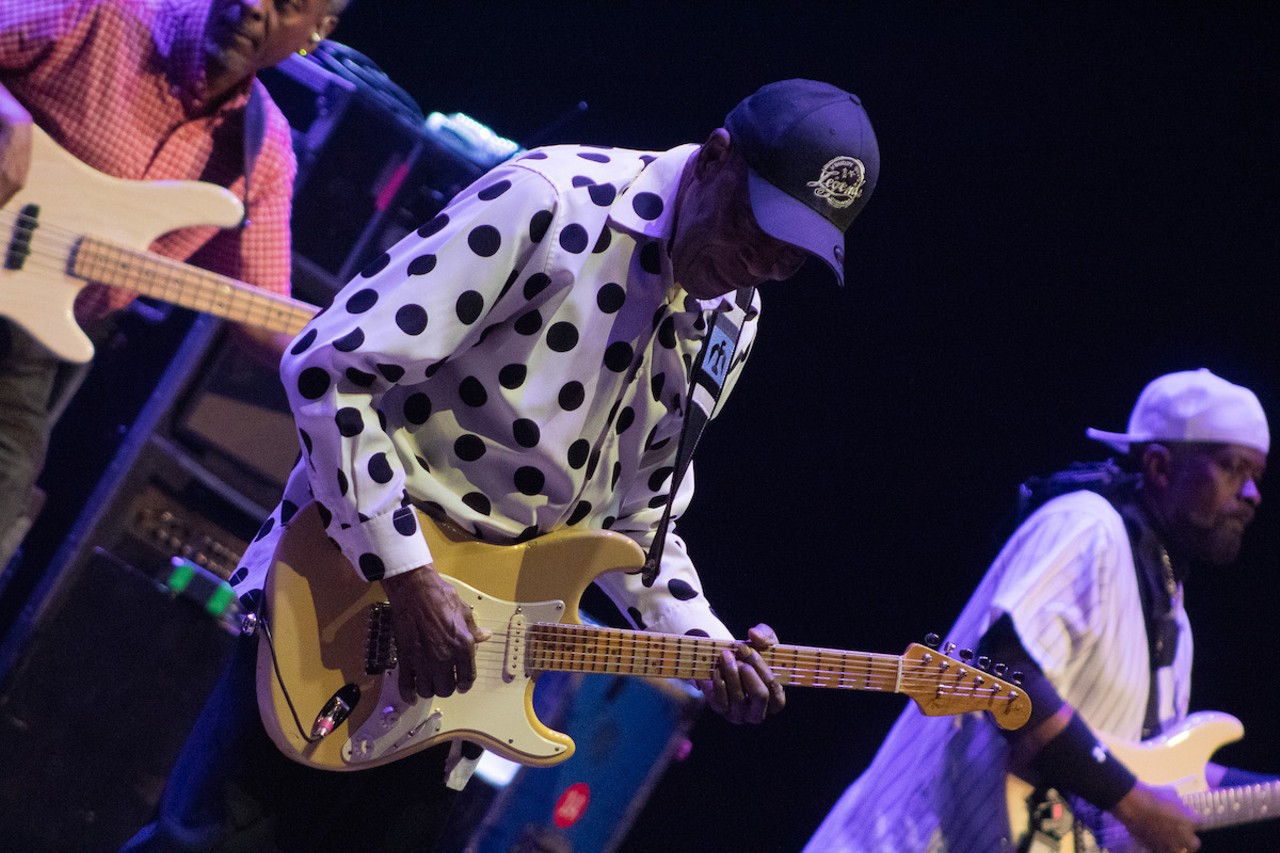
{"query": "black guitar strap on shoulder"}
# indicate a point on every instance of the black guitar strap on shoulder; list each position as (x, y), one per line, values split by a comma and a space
(709, 374)
(255, 133)
(1157, 606)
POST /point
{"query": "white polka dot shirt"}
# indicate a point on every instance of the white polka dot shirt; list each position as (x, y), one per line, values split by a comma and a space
(519, 365)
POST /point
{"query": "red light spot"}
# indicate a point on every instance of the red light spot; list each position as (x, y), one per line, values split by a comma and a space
(571, 805)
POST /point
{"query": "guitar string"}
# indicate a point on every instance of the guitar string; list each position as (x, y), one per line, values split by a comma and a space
(185, 280)
(491, 659)
(887, 684)
(885, 663)
(1217, 807)
(583, 638)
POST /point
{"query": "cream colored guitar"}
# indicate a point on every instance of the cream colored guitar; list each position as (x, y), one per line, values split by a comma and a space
(72, 224)
(1174, 759)
(330, 660)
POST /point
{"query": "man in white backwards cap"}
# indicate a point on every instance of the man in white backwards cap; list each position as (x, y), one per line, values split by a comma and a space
(1086, 599)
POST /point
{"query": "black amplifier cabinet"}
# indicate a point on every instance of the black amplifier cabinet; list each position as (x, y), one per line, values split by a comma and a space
(95, 708)
(103, 671)
(200, 467)
(371, 167)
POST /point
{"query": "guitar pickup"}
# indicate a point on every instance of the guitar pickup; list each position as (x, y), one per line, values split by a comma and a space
(513, 657)
(380, 641)
(24, 226)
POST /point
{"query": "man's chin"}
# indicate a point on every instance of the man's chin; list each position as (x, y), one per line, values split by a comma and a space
(232, 59)
(708, 282)
(1221, 550)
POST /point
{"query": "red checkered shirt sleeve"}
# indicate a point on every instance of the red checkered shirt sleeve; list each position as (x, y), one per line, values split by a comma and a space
(86, 70)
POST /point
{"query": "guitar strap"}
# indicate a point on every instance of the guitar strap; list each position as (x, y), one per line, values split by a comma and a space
(709, 374)
(255, 133)
(1046, 806)
(1157, 606)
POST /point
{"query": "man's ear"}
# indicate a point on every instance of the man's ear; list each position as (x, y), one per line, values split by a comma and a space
(327, 26)
(1157, 460)
(714, 152)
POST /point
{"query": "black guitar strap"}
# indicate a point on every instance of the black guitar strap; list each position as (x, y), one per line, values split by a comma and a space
(1157, 607)
(255, 132)
(709, 374)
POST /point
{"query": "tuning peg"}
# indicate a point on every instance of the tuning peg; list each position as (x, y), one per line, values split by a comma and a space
(948, 648)
(932, 640)
(1016, 677)
(966, 655)
(984, 662)
(999, 669)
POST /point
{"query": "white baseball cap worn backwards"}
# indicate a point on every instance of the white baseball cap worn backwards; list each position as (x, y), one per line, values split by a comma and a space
(1192, 405)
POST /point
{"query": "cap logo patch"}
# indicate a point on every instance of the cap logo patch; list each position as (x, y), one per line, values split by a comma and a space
(841, 181)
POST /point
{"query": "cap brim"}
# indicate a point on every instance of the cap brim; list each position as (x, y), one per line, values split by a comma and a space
(1115, 440)
(794, 222)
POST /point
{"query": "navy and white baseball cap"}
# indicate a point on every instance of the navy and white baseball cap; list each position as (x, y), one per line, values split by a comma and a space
(1192, 405)
(813, 161)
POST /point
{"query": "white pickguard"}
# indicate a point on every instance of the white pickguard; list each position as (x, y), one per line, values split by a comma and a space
(496, 709)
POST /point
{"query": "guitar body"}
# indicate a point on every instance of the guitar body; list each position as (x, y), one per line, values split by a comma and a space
(1175, 759)
(313, 592)
(327, 681)
(74, 200)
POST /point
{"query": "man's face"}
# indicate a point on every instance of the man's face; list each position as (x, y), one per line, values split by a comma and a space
(1212, 494)
(244, 36)
(718, 247)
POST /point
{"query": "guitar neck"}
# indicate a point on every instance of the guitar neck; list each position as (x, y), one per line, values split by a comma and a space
(187, 286)
(585, 648)
(1235, 805)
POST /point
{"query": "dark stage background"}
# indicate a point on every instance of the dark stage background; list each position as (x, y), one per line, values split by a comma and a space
(1074, 198)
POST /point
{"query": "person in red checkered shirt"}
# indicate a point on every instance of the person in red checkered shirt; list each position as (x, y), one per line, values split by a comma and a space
(144, 90)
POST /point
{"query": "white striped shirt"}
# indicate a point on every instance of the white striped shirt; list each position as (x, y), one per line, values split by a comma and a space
(1067, 580)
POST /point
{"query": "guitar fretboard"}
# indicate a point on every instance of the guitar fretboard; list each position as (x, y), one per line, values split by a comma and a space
(1235, 805)
(584, 648)
(187, 286)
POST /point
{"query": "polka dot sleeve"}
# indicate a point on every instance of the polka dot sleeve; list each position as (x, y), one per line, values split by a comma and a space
(430, 296)
(675, 603)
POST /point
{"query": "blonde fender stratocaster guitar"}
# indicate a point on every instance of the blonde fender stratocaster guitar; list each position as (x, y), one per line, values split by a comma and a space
(1175, 759)
(72, 224)
(328, 655)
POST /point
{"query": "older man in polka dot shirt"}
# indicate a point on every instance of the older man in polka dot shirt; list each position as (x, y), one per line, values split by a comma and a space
(521, 364)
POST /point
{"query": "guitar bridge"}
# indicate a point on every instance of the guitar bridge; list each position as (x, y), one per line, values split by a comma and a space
(380, 644)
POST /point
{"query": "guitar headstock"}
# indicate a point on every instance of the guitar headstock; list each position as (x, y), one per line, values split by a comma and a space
(941, 685)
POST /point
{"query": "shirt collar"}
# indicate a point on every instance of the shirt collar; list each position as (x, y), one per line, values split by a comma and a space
(662, 178)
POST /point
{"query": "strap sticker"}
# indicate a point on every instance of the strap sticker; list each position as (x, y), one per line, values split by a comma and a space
(715, 364)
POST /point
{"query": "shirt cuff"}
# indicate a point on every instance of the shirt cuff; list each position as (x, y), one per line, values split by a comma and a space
(385, 545)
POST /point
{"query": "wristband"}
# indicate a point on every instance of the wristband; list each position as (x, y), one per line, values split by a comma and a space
(1075, 761)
